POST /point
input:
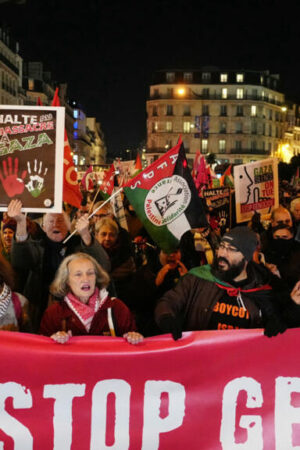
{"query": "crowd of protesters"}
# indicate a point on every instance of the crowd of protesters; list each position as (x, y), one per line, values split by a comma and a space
(108, 280)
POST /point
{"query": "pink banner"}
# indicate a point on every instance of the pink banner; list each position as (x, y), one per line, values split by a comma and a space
(209, 390)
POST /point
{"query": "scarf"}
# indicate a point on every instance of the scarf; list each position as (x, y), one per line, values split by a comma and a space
(5, 298)
(86, 312)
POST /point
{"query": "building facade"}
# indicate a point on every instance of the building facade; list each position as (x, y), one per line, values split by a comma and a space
(238, 115)
(10, 70)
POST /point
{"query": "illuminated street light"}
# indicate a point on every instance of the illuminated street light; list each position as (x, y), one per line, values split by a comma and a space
(181, 91)
(283, 108)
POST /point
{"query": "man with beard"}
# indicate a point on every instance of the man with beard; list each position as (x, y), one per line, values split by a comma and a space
(234, 292)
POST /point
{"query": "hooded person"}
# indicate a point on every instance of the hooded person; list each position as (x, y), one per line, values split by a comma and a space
(234, 292)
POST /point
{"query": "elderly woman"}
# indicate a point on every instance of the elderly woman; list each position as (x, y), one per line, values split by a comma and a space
(86, 307)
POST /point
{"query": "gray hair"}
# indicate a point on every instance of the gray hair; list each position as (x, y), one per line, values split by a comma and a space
(294, 203)
(107, 221)
(59, 287)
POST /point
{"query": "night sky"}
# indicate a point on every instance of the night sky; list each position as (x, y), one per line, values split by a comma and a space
(107, 50)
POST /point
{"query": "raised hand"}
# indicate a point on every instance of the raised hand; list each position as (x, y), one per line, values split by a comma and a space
(35, 186)
(14, 210)
(10, 181)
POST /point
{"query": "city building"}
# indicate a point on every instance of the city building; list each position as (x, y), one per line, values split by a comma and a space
(238, 115)
(89, 147)
(10, 70)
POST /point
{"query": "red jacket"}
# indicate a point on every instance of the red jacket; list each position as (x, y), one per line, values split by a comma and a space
(59, 317)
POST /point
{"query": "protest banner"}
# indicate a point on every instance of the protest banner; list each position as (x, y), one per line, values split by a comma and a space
(210, 390)
(256, 188)
(31, 157)
(219, 199)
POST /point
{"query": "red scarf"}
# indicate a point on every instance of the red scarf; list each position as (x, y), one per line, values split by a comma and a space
(86, 312)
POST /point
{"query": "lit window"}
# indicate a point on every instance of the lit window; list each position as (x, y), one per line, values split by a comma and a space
(223, 77)
(224, 92)
(186, 127)
(240, 93)
(253, 110)
(240, 77)
(31, 84)
(222, 146)
(155, 126)
(75, 125)
(169, 126)
(170, 77)
(261, 80)
(75, 113)
(188, 77)
(204, 146)
(75, 134)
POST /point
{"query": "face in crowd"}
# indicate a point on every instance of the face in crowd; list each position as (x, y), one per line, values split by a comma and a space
(170, 258)
(82, 278)
(229, 262)
(295, 209)
(55, 226)
(7, 236)
(107, 237)
(282, 216)
(105, 211)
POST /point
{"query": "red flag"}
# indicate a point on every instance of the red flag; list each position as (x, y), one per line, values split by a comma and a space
(39, 102)
(202, 178)
(107, 185)
(71, 191)
(86, 181)
(196, 165)
(138, 163)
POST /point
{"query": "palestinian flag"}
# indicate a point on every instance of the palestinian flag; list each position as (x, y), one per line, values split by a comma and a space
(107, 186)
(165, 198)
(227, 178)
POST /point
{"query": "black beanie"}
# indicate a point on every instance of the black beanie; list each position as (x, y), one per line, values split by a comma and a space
(243, 239)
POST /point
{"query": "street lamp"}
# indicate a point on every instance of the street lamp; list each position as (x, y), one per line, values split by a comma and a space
(128, 151)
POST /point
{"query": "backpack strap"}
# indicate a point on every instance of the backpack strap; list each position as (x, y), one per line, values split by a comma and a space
(17, 307)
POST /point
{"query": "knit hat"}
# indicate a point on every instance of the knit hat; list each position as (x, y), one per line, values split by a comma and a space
(243, 239)
(10, 223)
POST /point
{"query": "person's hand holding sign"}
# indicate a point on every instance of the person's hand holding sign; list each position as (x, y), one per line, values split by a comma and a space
(10, 181)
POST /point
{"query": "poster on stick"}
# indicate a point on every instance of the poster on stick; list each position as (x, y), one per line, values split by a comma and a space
(256, 188)
(210, 390)
(219, 199)
(31, 157)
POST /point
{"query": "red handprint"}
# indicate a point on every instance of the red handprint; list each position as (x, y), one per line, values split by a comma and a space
(11, 183)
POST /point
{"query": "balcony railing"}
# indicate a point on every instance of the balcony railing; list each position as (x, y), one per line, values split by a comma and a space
(214, 96)
(249, 151)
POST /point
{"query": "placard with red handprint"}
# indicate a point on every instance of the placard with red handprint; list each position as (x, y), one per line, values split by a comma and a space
(31, 157)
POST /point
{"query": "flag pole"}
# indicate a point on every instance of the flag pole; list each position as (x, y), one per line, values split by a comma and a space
(94, 212)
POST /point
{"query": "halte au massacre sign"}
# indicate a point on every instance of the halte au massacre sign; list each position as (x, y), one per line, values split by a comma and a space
(31, 157)
(230, 390)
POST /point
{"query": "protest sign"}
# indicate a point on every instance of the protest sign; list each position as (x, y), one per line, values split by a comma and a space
(256, 188)
(210, 390)
(31, 157)
(219, 199)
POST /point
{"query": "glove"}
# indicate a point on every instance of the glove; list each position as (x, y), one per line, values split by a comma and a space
(274, 326)
(170, 324)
